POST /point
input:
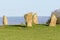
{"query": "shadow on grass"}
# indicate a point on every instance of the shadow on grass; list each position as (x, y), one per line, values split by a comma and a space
(46, 25)
(43, 25)
(16, 25)
(24, 26)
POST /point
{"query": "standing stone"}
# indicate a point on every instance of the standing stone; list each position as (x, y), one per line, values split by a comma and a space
(28, 19)
(53, 20)
(35, 19)
(5, 22)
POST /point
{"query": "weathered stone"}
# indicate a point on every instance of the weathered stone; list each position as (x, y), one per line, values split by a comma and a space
(53, 20)
(5, 21)
(28, 19)
(57, 14)
(35, 18)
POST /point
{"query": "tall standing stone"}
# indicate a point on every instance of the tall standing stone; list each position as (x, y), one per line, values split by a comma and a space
(53, 20)
(28, 19)
(35, 19)
(5, 21)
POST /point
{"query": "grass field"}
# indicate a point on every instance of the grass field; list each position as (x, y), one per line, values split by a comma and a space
(37, 32)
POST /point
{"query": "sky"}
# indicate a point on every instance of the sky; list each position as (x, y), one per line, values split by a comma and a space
(21, 7)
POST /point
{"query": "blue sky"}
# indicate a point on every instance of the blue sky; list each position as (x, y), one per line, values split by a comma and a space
(21, 7)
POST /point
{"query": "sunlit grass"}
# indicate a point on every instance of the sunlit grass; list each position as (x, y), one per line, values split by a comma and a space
(37, 32)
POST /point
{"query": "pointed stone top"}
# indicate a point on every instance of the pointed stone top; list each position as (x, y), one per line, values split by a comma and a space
(53, 15)
(35, 14)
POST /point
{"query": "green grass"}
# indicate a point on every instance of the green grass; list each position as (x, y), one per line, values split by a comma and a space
(37, 32)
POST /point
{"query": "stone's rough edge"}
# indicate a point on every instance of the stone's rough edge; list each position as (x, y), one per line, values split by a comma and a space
(53, 20)
(5, 20)
(28, 19)
(35, 18)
